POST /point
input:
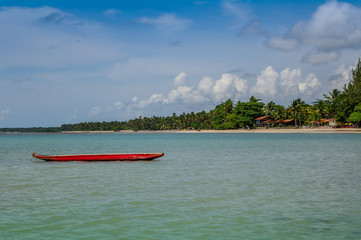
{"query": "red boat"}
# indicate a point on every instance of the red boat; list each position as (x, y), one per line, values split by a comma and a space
(100, 157)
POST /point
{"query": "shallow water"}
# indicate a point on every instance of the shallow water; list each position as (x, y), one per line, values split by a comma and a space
(207, 186)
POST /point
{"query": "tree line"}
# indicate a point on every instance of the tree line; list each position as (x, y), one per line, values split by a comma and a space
(344, 106)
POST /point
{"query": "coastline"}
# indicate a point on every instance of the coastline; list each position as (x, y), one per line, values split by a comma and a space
(185, 131)
(257, 130)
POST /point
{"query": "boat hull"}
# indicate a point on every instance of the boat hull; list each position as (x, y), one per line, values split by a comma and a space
(100, 157)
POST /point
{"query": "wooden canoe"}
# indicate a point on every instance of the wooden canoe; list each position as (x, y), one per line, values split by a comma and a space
(100, 157)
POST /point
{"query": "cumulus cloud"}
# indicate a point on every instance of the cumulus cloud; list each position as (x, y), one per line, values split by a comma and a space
(227, 86)
(293, 84)
(289, 79)
(205, 86)
(155, 98)
(167, 22)
(334, 26)
(266, 83)
(208, 90)
(184, 94)
(311, 82)
(340, 77)
(180, 79)
(286, 85)
(223, 86)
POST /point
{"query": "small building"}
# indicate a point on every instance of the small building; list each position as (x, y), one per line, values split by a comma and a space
(288, 122)
(263, 121)
(331, 122)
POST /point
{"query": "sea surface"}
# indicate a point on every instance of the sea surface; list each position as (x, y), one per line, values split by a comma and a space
(207, 186)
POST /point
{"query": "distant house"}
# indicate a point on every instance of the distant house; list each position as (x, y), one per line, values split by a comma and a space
(263, 121)
(331, 122)
(288, 122)
(266, 121)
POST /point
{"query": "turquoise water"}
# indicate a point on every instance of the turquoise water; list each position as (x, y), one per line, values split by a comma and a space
(207, 186)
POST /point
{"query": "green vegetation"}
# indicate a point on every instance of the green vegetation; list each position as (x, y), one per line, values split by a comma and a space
(355, 117)
(344, 106)
(32, 129)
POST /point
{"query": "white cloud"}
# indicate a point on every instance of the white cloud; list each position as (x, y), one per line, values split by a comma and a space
(180, 79)
(282, 43)
(310, 83)
(154, 98)
(320, 57)
(252, 28)
(293, 84)
(49, 37)
(111, 12)
(266, 83)
(167, 22)
(289, 79)
(173, 95)
(340, 77)
(205, 86)
(240, 84)
(335, 26)
(119, 105)
(140, 67)
(286, 85)
(224, 87)
(185, 95)
(229, 85)
(4, 113)
(240, 11)
(182, 92)
(209, 90)
(135, 99)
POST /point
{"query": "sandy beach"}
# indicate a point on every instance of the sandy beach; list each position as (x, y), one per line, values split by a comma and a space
(289, 130)
(275, 130)
(258, 130)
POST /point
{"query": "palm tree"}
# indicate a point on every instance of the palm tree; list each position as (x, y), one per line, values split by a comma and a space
(270, 110)
(323, 107)
(228, 106)
(253, 99)
(280, 113)
(296, 110)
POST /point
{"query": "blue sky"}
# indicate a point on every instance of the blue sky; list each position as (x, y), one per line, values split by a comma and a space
(74, 61)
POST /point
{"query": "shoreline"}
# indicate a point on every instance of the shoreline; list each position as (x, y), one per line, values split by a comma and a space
(257, 130)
